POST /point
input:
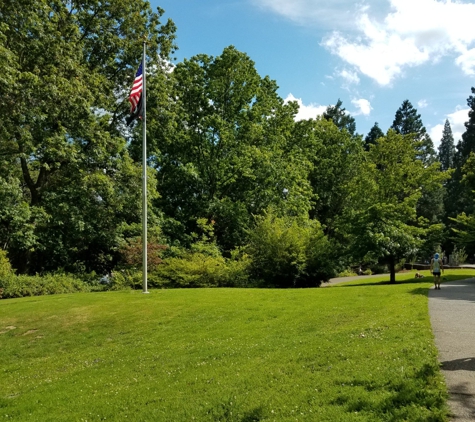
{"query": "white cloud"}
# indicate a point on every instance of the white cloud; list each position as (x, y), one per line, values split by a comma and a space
(435, 134)
(413, 33)
(457, 121)
(381, 39)
(310, 111)
(467, 61)
(363, 106)
(350, 77)
(422, 103)
(335, 13)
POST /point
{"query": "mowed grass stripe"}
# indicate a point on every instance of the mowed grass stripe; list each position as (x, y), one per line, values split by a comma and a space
(358, 353)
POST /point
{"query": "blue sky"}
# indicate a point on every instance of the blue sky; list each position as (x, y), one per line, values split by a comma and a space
(372, 54)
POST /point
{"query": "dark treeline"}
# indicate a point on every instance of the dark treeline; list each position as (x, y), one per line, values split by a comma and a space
(239, 192)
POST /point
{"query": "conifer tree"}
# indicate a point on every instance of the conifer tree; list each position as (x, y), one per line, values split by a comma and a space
(447, 148)
(408, 121)
(338, 115)
(373, 135)
(468, 138)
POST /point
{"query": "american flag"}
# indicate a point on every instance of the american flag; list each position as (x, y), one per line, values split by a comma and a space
(136, 92)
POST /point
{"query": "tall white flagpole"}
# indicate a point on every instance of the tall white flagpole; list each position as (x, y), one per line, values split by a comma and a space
(144, 172)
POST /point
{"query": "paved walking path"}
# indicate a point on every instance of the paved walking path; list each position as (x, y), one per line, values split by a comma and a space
(452, 315)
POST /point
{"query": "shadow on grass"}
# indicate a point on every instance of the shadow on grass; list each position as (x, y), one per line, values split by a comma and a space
(387, 282)
(225, 412)
(411, 398)
(425, 279)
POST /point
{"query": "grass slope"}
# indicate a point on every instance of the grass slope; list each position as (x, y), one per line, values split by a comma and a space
(361, 352)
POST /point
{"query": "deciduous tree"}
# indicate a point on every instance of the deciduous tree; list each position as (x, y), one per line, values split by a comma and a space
(387, 227)
(66, 66)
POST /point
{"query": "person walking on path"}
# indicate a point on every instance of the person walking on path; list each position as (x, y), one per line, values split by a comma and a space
(436, 267)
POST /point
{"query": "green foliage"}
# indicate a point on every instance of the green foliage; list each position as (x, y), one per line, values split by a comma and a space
(467, 145)
(458, 256)
(22, 285)
(374, 134)
(446, 147)
(289, 252)
(387, 227)
(224, 150)
(65, 69)
(347, 273)
(342, 120)
(5, 267)
(408, 122)
(336, 159)
(198, 269)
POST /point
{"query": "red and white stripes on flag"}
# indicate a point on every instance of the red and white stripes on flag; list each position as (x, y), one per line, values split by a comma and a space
(135, 96)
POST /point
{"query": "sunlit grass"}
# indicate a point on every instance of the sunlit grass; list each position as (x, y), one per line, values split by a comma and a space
(345, 353)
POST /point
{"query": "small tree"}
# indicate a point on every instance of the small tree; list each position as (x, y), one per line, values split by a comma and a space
(386, 227)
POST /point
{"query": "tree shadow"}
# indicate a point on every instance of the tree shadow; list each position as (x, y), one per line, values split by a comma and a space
(387, 282)
(453, 279)
(455, 290)
(464, 364)
(463, 402)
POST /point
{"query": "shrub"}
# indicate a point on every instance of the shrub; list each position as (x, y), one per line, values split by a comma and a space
(133, 279)
(459, 256)
(289, 252)
(347, 273)
(197, 269)
(5, 267)
(23, 285)
(367, 272)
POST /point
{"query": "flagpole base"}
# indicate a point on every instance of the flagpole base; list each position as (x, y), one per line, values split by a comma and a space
(147, 292)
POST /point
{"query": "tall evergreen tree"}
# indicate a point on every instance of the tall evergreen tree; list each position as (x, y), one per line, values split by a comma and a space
(447, 148)
(468, 138)
(374, 134)
(408, 121)
(460, 201)
(459, 195)
(338, 115)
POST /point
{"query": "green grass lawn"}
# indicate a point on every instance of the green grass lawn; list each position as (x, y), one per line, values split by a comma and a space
(357, 352)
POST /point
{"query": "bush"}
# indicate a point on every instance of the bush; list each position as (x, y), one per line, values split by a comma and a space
(367, 272)
(5, 267)
(459, 256)
(289, 252)
(23, 285)
(133, 279)
(347, 273)
(197, 269)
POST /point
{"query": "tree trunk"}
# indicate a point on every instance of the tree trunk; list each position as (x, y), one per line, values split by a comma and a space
(392, 270)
